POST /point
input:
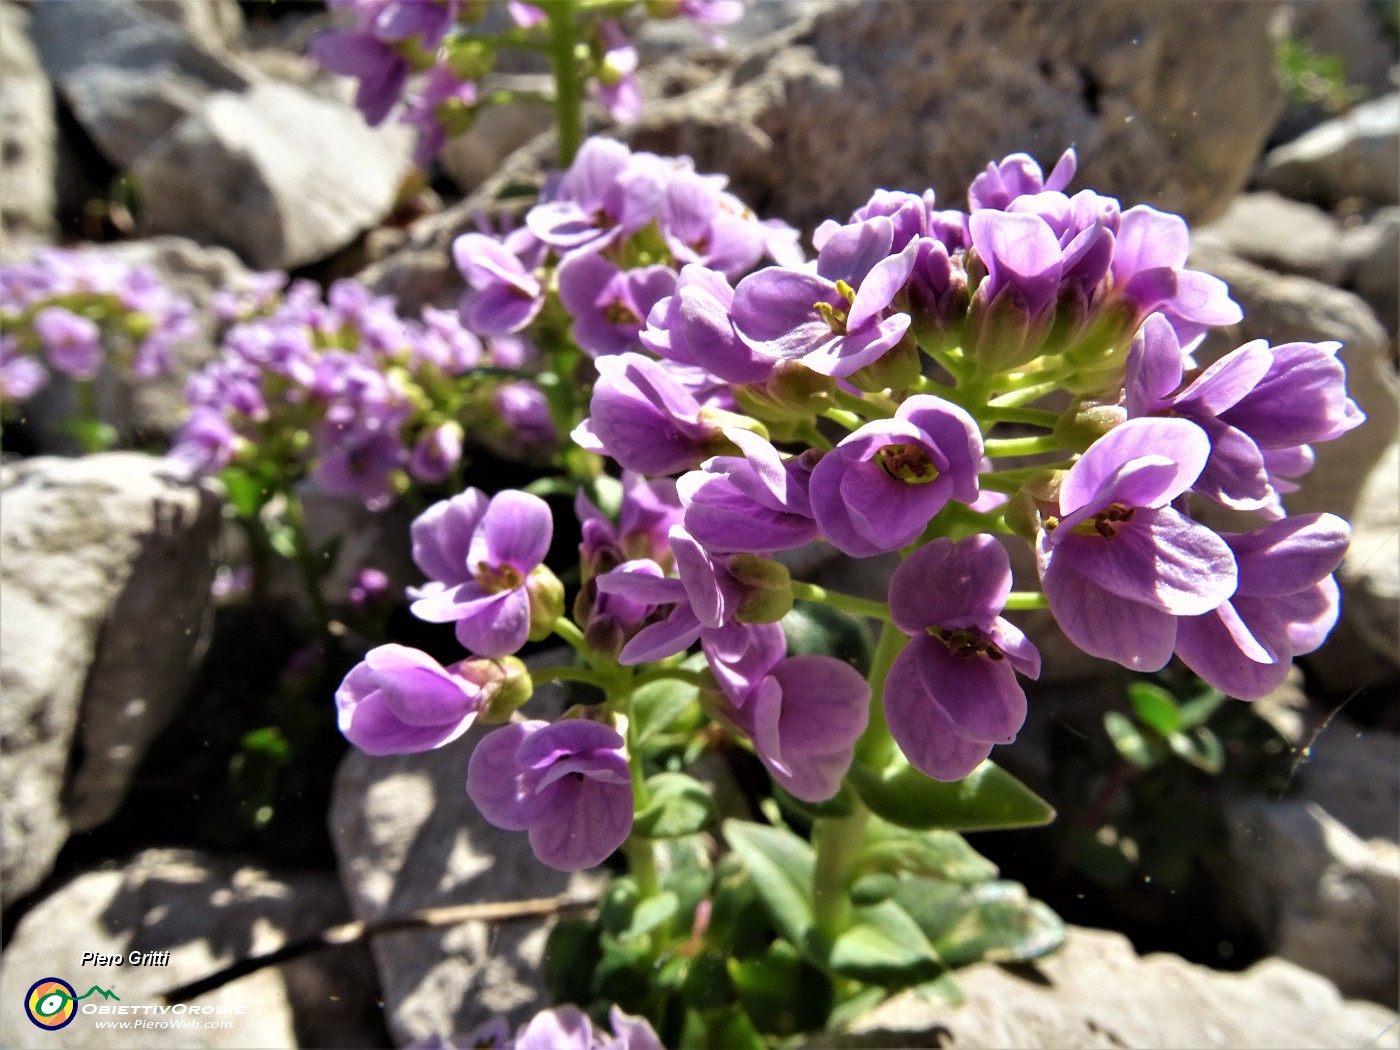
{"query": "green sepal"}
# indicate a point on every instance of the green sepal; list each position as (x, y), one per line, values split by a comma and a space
(987, 799)
(680, 805)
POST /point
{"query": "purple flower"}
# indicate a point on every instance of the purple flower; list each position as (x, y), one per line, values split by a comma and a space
(380, 68)
(645, 419)
(398, 701)
(756, 502)
(506, 296)
(741, 655)
(608, 305)
(371, 587)
(444, 103)
(445, 344)
(1285, 605)
(608, 193)
(804, 720)
(1017, 176)
(952, 693)
(691, 326)
(616, 80)
(837, 320)
(20, 374)
(479, 555)
(610, 619)
(427, 19)
(437, 453)
(524, 409)
(649, 509)
(206, 442)
(73, 343)
(703, 224)
(567, 784)
(1119, 564)
(879, 488)
(358, 462)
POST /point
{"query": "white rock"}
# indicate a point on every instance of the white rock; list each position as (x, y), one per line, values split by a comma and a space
(1096, 992)
(27, 135)
(1356, 155)
(214, 24)
(206, 912)
(105, 567)
(278, 175)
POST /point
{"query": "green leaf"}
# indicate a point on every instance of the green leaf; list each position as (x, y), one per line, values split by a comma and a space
(571, 954)
(933, 904)
(1199, 708)
(680, 805)
(873, 888)
(657, 705)
(707, 982)
(987, 799)
(1001, 924)
(728, 1028)
(940, 854)
(738, 918)
(819, 630)
(651, 913)
(884, 945)
(1201, 748)
(1131, 744)
(246, 494)
(619, 904)
(782, 993)
(1155, 707)
(282, 538)
(780, 865)
(846, 1011)
(92, 434)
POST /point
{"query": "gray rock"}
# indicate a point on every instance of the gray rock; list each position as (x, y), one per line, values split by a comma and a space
(207, 912)
(407, 837)
(1319, 895)
(1166, 103)
(499, 131)
(129, 76)
(1356, 155)
(278, 175)
(213, 24)
(27, 136)
(106, 563)
(1372, 253)
(1279, 234)
(1370, 573)
(1096, 992)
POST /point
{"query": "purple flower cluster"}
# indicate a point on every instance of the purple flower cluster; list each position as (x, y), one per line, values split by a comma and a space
(428, 54)
(376, 402)
(562, 1028)
(72, 311)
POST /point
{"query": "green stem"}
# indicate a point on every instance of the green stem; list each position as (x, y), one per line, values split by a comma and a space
(569, 674)
(1011, 480)
(311, 571)
(840, 416)
(957, 367)
(569, 631)
(862, 406)
(814, 437)
(1024, 446)
(661, 674)
(1027, 600)
(838, 841)
(876, 747)
(1039, 417)
(568, 89)
(810, 592)
(1019, 394)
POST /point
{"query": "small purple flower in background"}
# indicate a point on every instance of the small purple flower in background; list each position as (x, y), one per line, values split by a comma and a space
(381, 70)
(836, 320)
(21, 376)
(370, 588)
(609, 306)
(645, 419)
(1284, 606)
(524, 409)
(399, 701)
(1119, 564)
(505, 295)
(73, 343)
(479, 555)
(879, 488)
(429, 20)
(756, 502)
(567, 784)
(442, 100)
(608, 193)
(359, 463)
(206, 442)
(616, 80)
(437, 453)
(952, 693)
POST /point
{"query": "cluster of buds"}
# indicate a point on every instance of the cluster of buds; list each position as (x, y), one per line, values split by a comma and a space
(72, 312)
(347, 391)
(864, 400)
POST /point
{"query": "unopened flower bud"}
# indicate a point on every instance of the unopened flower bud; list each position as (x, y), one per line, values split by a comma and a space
(896, 369)
(1087, 420)
(769, 588)
(1000, 334)
(605, 635)
(1027, 509)
(794, 393)
(470, 59)
(546, 601)
(505, 685)
(1101, 352)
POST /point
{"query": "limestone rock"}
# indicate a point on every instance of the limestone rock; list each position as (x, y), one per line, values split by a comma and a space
(278, 175)
(129, 76)
(1370, 573)
(407, 837)
(27, 135)
(213, 24)
(1372, 254)
(105, 567)
(1096, 992)
(1319, 895)
(206, 912)
(1355, 155)
(1279, 234)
